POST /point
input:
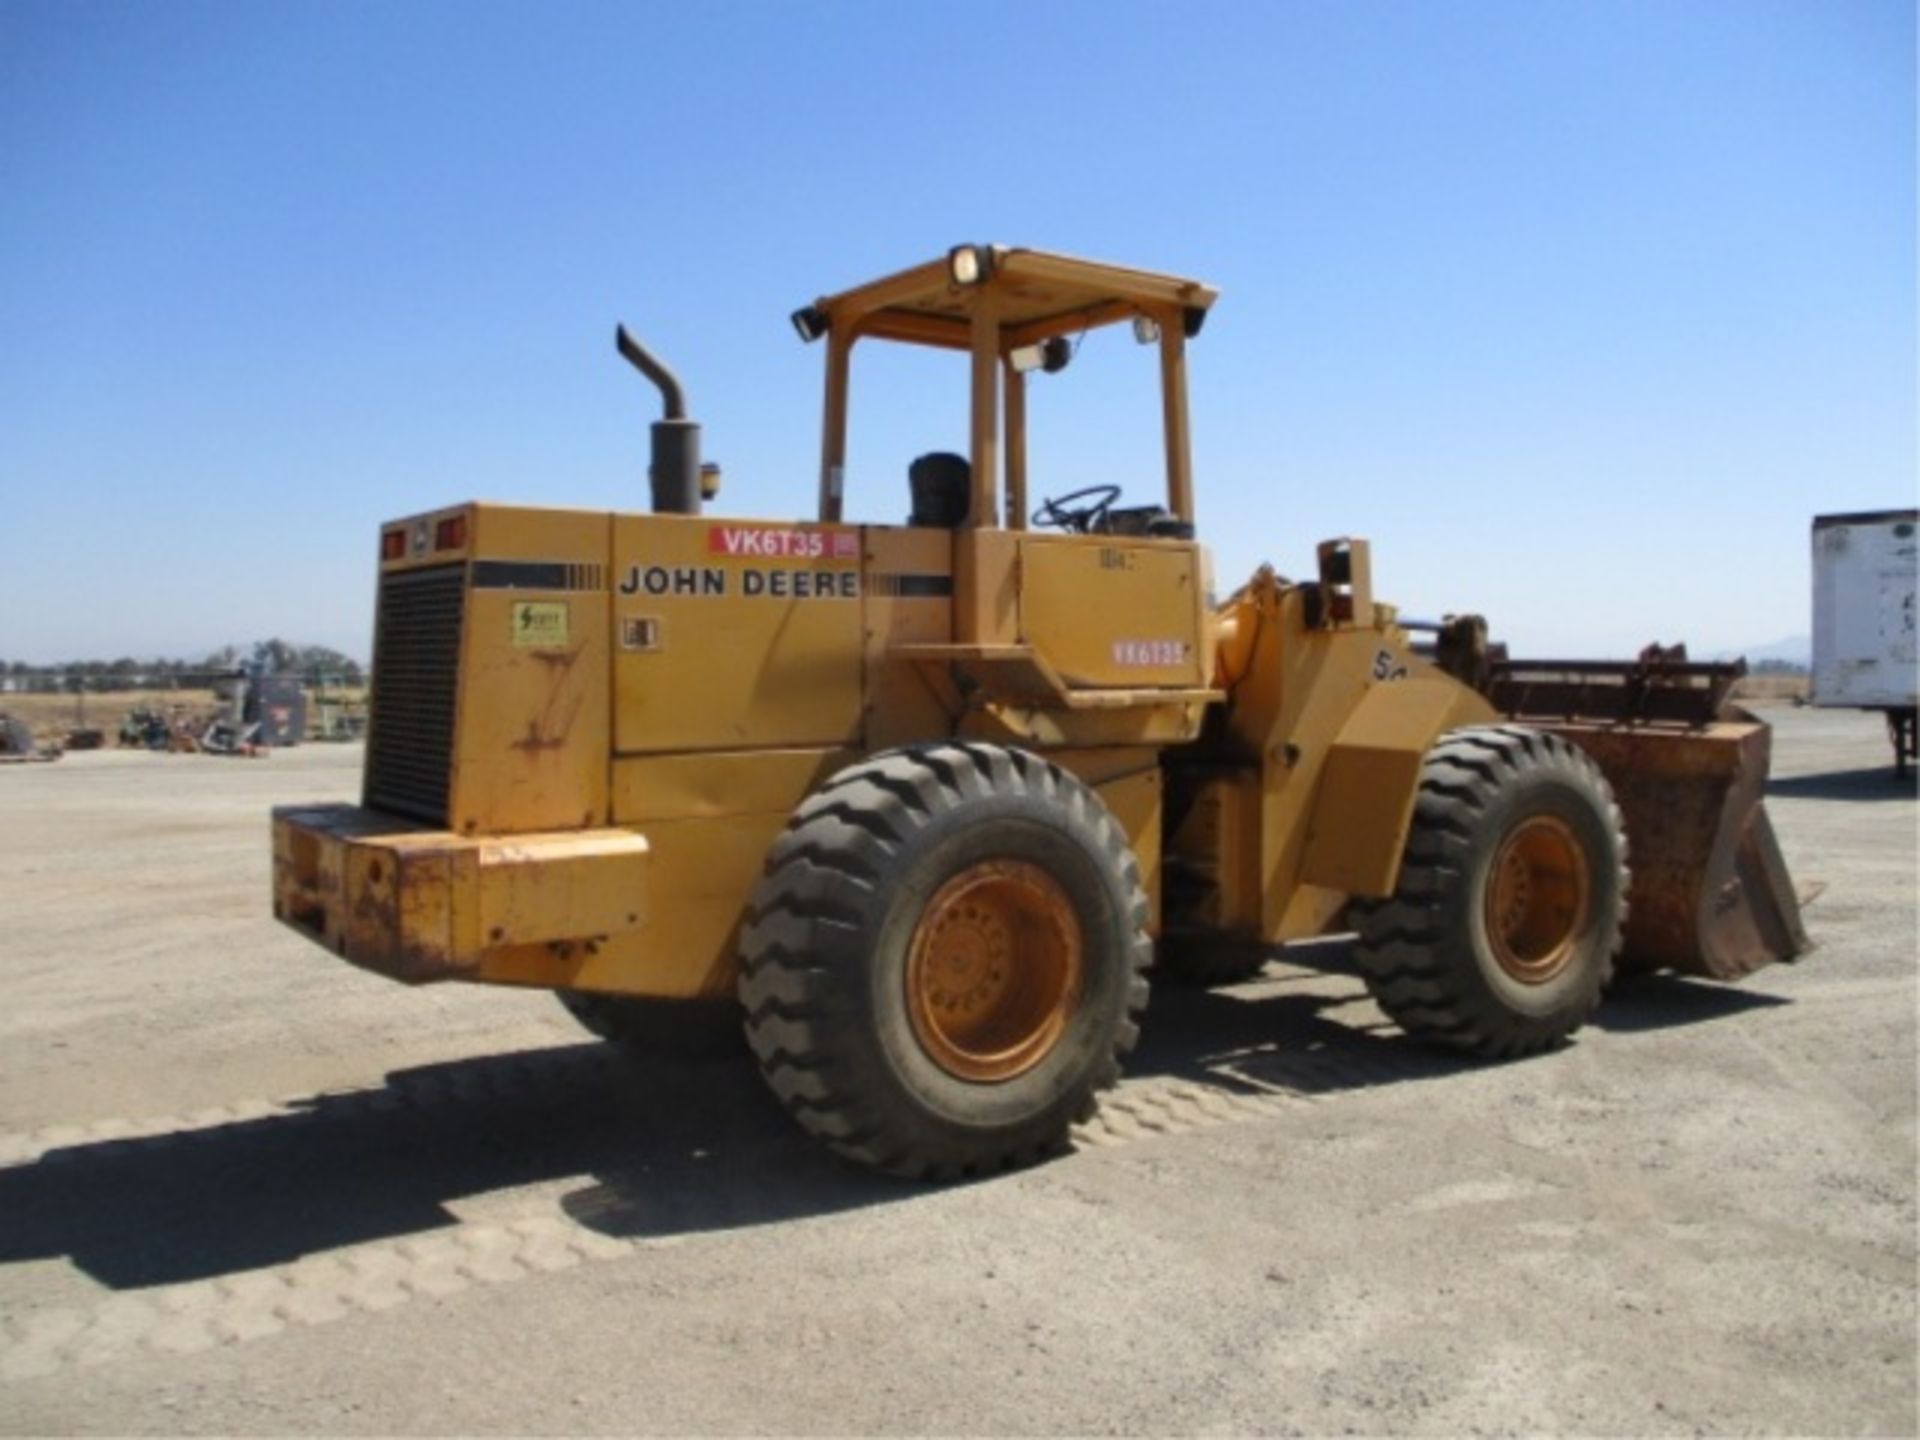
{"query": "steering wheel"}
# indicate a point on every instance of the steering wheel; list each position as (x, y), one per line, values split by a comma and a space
(1080, 519)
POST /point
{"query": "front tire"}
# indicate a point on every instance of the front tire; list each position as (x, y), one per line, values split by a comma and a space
(944, 962)
(1501, 933)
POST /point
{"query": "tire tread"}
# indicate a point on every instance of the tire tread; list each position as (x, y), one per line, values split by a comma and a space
(824, 874)
(1411, 962)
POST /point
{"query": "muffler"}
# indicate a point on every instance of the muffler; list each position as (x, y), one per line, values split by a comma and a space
(674, 471)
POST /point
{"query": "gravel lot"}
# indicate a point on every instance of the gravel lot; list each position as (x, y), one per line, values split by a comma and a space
(245, 1188)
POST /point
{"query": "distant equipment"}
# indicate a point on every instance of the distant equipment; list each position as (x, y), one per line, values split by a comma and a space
(335, 713)
(1863, 620)
(16, 742)
(259, 713)
(278, 705)
(146, 729)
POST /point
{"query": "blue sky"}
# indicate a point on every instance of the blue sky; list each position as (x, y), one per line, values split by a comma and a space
(1578, 310)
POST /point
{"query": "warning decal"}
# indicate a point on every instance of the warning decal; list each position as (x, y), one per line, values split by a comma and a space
(540, 624)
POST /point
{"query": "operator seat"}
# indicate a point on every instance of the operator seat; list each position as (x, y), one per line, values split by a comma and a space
(942, 488)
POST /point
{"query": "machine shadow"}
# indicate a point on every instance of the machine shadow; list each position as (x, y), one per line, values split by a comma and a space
(659, 1148)
(656, 1148)
(386, 1164)
(1641, 1002)
(1876, 783)
(1288, 1030)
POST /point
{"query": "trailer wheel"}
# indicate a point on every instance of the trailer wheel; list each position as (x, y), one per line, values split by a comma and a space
(944, 962)
(1901, 729)
(1502, 931)
(643, 1027)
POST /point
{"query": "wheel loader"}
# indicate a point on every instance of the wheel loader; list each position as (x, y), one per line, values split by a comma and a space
(924, 806)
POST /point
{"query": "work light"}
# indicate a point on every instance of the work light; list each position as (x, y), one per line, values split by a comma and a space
(809, 323)
(1050, 355)
(969, 264)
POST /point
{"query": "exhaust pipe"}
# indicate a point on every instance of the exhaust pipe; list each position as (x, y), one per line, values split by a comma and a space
(674, 471)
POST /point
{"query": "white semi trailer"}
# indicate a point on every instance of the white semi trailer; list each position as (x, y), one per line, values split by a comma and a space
(1864, 654)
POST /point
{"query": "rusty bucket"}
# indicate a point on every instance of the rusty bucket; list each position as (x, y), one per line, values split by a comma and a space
(1710, 893)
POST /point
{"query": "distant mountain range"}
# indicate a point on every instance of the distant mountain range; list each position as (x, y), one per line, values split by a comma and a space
(1794, 650)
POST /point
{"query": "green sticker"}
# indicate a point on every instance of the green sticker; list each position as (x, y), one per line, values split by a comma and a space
(540, 624)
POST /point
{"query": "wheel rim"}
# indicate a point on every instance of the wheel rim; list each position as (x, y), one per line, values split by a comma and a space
(1537, 899)
(994, 970)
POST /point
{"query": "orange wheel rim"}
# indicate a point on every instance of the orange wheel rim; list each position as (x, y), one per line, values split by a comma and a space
(994, 970)
(1537, 898)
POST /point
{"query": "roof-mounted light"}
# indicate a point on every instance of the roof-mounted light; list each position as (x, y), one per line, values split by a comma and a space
(810, 323)
(969, 264)
(1146, 329)
(1050, 355)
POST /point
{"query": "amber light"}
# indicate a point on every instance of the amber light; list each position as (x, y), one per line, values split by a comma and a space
(450, 533)
(393, 544)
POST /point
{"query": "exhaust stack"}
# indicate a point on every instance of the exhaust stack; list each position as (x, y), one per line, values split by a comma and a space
(674, 470)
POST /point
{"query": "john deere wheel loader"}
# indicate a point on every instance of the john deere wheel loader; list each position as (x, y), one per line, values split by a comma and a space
(923, 805)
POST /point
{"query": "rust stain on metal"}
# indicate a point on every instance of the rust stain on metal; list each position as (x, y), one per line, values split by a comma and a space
(1709, 892)
(378, 908)
(534, 741)
(1661, 685)
(548, 730)
(378, 940)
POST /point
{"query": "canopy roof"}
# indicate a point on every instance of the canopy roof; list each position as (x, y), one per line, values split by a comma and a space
(1035, 295)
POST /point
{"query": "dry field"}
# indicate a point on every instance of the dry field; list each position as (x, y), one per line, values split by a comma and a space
(1773, 687)
(52, 716)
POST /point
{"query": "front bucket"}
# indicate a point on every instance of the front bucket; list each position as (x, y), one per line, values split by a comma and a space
(1710, 894)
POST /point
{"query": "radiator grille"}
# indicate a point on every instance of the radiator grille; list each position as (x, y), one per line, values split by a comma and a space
(416, 663)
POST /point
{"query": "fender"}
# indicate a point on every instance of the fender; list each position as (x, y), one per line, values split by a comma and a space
(1363, 807)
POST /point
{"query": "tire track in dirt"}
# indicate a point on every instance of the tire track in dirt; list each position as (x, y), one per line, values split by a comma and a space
(377, 1276)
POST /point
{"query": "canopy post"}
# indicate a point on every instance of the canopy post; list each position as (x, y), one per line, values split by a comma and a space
(1173, 403)
(833, 427)
(1015, 384)
(984, 437)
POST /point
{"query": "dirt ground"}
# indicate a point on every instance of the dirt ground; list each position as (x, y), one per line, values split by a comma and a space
(1767, 688)
(244, 1188)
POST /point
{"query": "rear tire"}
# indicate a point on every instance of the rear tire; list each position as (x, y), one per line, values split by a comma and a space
(944, 963)
(1502, 931)
(649, 1028)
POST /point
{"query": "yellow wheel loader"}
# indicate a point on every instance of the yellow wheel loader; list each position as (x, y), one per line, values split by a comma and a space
(922, 806)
